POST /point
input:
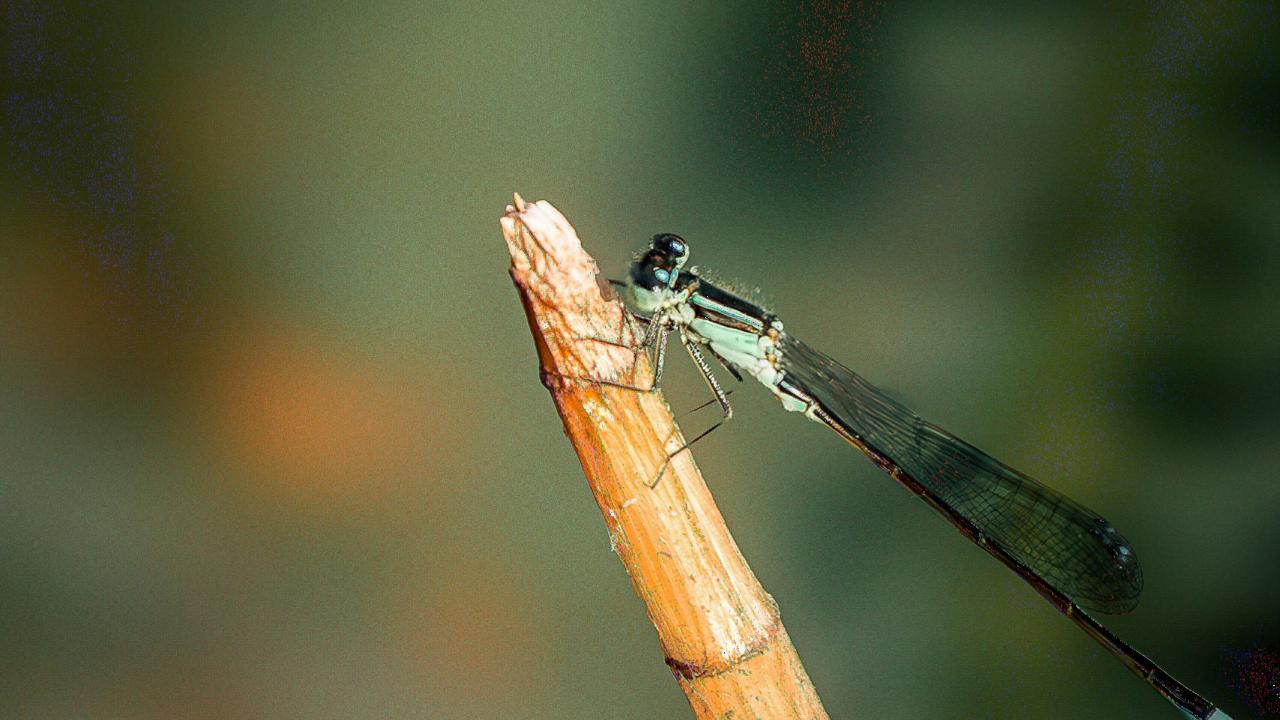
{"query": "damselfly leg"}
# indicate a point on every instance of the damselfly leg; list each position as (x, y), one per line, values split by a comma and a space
(721, 397)
(656, 331)
(655, 341)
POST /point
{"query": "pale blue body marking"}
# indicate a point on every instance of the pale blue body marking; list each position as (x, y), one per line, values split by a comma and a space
(751, 353)
(726, 311)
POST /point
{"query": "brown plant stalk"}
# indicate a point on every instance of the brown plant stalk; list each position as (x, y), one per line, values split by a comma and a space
(719, 630)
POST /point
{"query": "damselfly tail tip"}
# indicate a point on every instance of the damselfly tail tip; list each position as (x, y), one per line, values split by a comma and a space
(519, 201)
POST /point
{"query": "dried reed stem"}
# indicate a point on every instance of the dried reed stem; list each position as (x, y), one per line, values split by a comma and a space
(719, 629)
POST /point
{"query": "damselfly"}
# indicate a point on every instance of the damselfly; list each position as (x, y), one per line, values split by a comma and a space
(1070, 555)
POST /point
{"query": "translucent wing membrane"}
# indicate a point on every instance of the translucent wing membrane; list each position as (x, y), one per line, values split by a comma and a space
(1067, 545)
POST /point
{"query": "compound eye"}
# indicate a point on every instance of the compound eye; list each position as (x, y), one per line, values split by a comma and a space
(652, 271)
(671, 244)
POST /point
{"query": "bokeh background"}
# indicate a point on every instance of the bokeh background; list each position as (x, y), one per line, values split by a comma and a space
(272, 436)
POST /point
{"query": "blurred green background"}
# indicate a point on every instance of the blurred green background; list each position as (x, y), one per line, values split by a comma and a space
(274, 444)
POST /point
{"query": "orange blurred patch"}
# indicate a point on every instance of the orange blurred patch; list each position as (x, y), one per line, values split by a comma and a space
(307, 417)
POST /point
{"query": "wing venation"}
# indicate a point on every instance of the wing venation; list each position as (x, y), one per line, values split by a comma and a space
(1069, 546)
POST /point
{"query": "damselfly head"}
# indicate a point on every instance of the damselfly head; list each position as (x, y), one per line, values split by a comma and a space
(654, 270)
(672, 245)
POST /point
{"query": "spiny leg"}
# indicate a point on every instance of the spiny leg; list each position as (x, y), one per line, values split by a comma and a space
(658, 365)
(721, 397)
(646, 340)
(656, 329)
(727, 365)
(708, 403)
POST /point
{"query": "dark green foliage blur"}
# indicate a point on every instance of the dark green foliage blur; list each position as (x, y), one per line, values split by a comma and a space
(273, 440)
